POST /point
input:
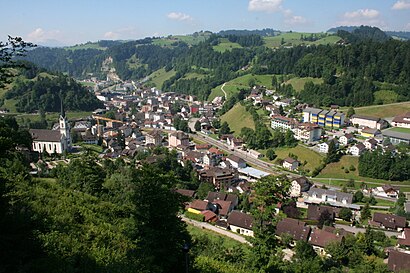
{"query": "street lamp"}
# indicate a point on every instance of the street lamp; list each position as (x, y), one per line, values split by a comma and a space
(185, 249)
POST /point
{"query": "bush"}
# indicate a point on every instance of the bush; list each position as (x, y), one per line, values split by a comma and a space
(352, 168)
(194, 216)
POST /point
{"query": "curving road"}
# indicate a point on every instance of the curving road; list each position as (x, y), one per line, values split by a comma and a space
(222, 89)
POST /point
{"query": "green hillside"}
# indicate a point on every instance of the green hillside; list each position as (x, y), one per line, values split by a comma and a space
(299, 83)
(237, 118)
(383, 111)
(158, 77)
(296, 38)
(225, 44)
(242, 82)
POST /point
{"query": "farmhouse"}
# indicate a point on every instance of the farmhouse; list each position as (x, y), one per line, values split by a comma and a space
(402, 121)
(241, 222)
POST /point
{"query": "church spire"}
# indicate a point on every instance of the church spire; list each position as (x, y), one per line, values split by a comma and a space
(62, 106)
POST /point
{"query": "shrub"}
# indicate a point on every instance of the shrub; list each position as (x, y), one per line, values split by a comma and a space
(194, 216)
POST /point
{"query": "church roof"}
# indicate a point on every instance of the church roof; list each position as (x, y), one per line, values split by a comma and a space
(45, 135)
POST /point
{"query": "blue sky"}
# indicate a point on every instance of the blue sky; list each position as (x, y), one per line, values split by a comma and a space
(79, 21)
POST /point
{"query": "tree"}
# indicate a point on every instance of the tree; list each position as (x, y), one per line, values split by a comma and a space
(332, 153)
(350, 183)
(325, 219)
(14, 47)
(224, 129)
(197, 126)
(203, 190)
(270, 153)
(365, 212)
(216, 123)
(358, 196)
(345, 214)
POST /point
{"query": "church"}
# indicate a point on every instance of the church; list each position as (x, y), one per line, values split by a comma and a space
(53, 141)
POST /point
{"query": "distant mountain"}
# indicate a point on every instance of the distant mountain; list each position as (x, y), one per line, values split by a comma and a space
(394, 34)
(262, 32)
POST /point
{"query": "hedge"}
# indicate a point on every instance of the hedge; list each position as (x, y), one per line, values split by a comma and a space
(194, 216)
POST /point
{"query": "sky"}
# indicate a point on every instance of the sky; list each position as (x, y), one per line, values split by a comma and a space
(61, 22)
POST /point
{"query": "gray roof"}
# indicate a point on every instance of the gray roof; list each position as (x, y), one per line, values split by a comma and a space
(312, 110)
(366, 117)
(394, 134)
(45, 135)
(339, 196)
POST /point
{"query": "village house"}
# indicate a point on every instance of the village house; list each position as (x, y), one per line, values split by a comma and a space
(346, 139)
(214, 196)
(402, 121)
(298, 230)
(387, 191)
(234, 142)
(314, 212)
(370, 144)
(404, 238)
(307, 132)
(324, 146)
(299, 185)
(370, 132)
(236, 161)
(154, 137)
(241, 223)
(399, 260)
(220, 178)
(179, 138)
(388, 221)
(290, 164)
(317, 195)
(358, 149)
(319, 239)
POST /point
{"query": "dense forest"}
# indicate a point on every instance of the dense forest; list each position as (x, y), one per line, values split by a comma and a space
(36, 89)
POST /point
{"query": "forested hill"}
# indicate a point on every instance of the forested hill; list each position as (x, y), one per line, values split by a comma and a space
(353, 69)
(34, 89)
(405, 35)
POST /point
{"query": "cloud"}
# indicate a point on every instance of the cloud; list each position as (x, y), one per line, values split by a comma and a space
(362, 17)
(362, 14)
(111, 35)
(40, 35)
(123, 33)
(296, 20)
(179, 16)
(265, 5)
(401, 4)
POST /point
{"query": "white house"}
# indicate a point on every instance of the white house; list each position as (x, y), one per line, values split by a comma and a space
(357, 149)
(346, 139)
(324, 147)
(236, 161)
(299, 185)
(370, 144)
(290, 164)
(307, 132)
(241, 223)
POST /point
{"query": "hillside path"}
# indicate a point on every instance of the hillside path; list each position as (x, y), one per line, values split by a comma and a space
(222, 89)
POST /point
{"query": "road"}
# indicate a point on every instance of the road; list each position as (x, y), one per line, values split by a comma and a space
(223, 232)
(262, 165)
(222, 89)
(356, 230)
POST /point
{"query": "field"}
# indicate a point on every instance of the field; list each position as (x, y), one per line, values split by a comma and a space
(335, 169)
(227, 242)
(238, 118)
(312, 158)
(225, 44)
(299, 83)
(160, 76)
(86, 46)
(193, 75)
(189, 39)
(293, 39)
(233, 86)
(384, 111)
